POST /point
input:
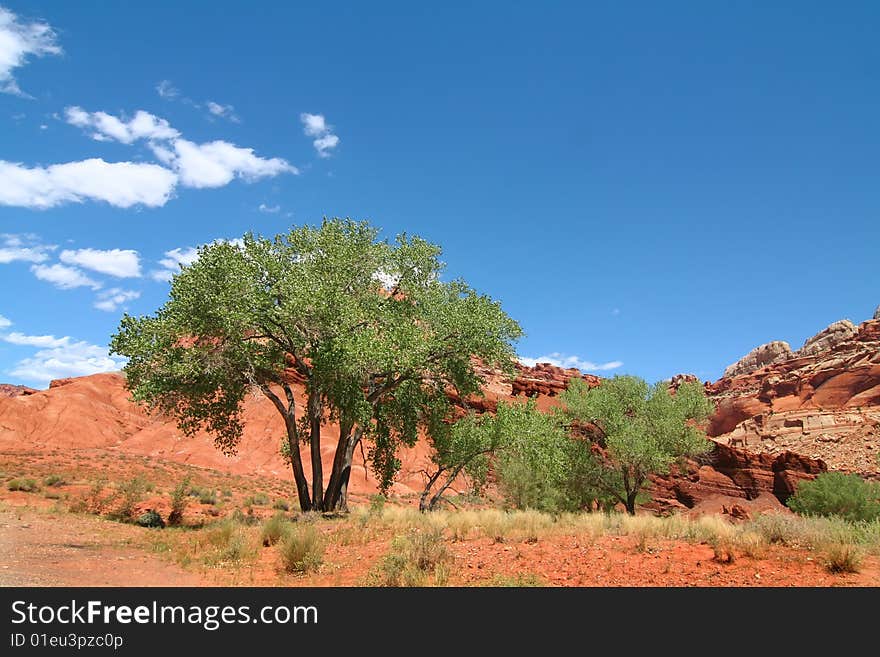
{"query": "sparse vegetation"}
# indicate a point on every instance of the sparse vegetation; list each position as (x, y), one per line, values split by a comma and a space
(178, 502)
(130, 493)
(842, 558)
(301, 549)
(281, 505)
(259, 499)
(23, 484)
(54, 480)
(413, 558)
(274, 529)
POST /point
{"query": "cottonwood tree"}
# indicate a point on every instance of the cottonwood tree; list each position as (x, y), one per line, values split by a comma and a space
(643, 429)
(367, 326)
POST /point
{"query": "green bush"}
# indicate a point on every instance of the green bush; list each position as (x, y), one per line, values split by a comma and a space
(23, 484)
(837, 494)
(302, 550)
(54, 480)
(281, 505)
(208, 497)
(150, 518)
(178, 502)
(413, 557)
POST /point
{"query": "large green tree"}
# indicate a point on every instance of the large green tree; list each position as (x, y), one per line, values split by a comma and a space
(366, 326)
(643, 429)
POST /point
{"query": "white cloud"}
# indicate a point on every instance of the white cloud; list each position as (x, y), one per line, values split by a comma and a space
(269, 209)
(173, 261)
(4, 323)
(217, 163)
(223, 111)
(315, 125)
(121, 184)
(26, 248)
(18, 41)
(122, 263)
(106, 126)
(561, 360)
(64, 277)
(111, 299)
(35, 340)
(61, 357)
(166, 90)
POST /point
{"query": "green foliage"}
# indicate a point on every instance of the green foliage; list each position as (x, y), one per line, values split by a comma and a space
(150, 518)
(281, 505)
(302, 549)
(377, 361)
(642, 429)
(54, 480)
(846, 496)
(24, 484)
(179, 502)
(377, 503)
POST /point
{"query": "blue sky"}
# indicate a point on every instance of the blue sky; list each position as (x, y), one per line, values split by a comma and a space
(649, 188)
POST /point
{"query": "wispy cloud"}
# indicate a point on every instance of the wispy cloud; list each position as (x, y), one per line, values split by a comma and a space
(315, 125)
(20, 40)
(110, 300)
(122, 263)
(223, 111)
(269, 209)
(64, 277)
(23, 247)
(561, 360)
(167, 90)
(4, 322)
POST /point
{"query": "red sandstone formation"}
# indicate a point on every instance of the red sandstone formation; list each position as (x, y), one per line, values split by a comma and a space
(821, 401)
(8, 390)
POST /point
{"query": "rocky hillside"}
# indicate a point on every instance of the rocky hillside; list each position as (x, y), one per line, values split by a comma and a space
(821, 401)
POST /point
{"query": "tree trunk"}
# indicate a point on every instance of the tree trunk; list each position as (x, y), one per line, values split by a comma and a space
(423, 500)
(315, 416)
(299, 475)
(331, 495)
(348, 457)
(631, 502)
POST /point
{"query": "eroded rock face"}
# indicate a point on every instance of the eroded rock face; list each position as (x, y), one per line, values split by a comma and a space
(823, 401)
(728, 472)
(766, 354)
(546, 379)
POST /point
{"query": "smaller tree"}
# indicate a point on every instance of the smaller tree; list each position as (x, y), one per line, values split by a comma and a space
(642, 429)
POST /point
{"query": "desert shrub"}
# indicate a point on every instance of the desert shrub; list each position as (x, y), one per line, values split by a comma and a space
(274, 529)
(178, 502)
(842, 558)
(54, 480)
(412, 558)
(837, 494)
(281, 505)
(260, 499)
(226, 492)
(301, 549)
(247, 519)
(95, 500)
(130, 494)
(377, 503)
(24, 484)
(150, 518)
(208, 497)
(230, 542)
